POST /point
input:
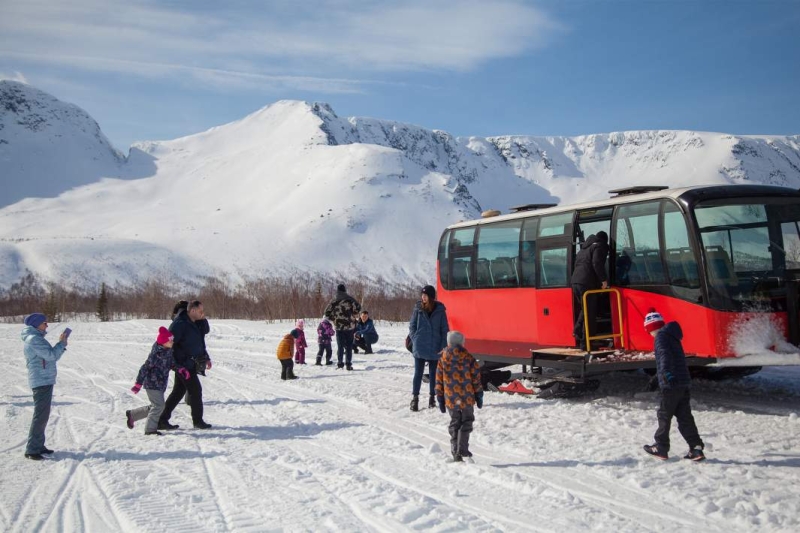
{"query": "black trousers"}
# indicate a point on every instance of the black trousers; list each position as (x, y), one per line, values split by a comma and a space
(326, 348)
(461, 419)
(287, 368)
(344, 346)
(675, 402)
(362, 343)
(579, 330)
(181, 387)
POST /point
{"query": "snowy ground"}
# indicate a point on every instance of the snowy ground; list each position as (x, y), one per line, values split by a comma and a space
(337, 451)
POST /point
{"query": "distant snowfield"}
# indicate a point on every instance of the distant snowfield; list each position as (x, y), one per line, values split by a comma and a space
(336, 451)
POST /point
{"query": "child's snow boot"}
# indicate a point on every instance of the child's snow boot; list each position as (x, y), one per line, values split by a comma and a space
(415, 402)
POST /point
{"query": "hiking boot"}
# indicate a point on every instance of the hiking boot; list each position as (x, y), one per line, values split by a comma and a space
(328, 363)
(153, 433)
(129, 419)
(339, 366)
(46, 451)
(695, 454)
(457, 458)
(318, 363)
(34, 456)
(655, 451)
(415, 402)
(432, 401)
(167, 426)
(202, 425)
(349, 367)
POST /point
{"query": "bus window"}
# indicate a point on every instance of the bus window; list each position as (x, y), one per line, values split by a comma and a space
(498, 247)
(555, 225)
(637, 245)
(527, 252)
(461, 252)
(443, 256)
(791, 244)
(681, 262)
(553, 267)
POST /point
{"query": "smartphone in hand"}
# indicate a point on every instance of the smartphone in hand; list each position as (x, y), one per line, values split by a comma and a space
(67, 332)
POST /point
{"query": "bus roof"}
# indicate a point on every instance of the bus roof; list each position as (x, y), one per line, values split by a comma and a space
(705, 191)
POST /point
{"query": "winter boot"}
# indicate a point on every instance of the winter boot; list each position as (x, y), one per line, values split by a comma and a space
(415, 402)
(655, 451)
(129, 419)
(290, 374)
(695, 454)
(319, 361)
(432, 401)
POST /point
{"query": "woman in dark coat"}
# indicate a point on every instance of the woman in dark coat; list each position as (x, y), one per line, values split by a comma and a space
(428, 331)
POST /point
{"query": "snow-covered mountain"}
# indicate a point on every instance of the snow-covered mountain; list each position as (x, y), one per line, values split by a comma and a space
(294, 186)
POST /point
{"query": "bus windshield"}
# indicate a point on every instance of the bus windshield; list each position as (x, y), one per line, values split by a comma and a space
(751, 247)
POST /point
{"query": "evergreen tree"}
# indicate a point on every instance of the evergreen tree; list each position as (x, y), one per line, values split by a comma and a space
(102, 304)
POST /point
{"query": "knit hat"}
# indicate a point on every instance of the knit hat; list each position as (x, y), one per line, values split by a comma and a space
(35, 320)
(340, 288)
(430, 291)
(294, 333)
(300, 323)
(164, 335)
(455, 338)
(653, 320)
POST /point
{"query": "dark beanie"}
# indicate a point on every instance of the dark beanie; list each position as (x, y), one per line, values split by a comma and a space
(603, 236)
(35, 320)
(294, 333)
(340, 288)
(430, 291)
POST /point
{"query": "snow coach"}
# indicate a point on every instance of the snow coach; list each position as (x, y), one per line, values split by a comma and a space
(723, 260)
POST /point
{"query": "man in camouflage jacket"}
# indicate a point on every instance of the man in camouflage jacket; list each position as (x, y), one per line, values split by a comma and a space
(343, 312)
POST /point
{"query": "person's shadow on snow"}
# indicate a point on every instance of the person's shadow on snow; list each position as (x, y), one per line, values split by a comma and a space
(129, 456)
(273, 401)
(295, 431)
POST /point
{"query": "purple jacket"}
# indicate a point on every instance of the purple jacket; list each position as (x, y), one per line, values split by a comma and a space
(325, 332)
(154, 373)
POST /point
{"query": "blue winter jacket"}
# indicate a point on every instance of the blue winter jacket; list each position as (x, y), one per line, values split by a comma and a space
(154, 373)
(40, 357)
(428, 333)
(367, 331)
(189, 338)
(670, 359)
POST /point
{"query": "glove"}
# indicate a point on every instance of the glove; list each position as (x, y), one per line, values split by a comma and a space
(440, 399)
(479, 399)
(182, 372)
(136, 388)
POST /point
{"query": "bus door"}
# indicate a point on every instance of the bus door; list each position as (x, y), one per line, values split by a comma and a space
(587, 223)
(554, 293)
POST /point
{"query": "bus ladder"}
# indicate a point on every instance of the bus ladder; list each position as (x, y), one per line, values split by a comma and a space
(612, 335)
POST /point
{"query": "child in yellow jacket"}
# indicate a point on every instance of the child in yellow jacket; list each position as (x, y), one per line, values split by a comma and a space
(285, 353)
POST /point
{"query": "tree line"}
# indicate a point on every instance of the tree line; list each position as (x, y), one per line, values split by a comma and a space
(299, 295)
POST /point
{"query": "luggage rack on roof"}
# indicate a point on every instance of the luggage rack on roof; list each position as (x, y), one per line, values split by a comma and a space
(641, 189)
(530, 207)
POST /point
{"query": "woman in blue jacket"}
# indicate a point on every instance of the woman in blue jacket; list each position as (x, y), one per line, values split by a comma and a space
(41, 358)
(428, 331)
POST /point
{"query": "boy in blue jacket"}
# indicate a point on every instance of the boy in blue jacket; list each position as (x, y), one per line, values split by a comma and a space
(674, 382)
(41, 360)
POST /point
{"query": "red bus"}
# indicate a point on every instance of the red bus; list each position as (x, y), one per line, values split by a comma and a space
(711, 257)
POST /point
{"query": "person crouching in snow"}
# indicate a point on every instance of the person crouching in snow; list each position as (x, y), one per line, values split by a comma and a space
(325, 334)
(285, 354)
(458, 389)
(366, 335)
(153, 376)
(674, 382)
(300, 343)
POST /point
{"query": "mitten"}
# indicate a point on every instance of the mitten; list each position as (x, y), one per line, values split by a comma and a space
(183, 373)
(440, 399)
(479, 399)
(136, 388)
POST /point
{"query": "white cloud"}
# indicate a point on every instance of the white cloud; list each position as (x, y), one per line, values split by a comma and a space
(307, 45)
(16, 76)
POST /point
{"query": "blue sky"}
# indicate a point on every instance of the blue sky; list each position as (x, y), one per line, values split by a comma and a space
(148, 70)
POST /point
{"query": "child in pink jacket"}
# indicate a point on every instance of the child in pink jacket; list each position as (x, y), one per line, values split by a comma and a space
(300, 344)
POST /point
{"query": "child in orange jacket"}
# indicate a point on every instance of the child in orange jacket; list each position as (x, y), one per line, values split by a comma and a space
(285, 349)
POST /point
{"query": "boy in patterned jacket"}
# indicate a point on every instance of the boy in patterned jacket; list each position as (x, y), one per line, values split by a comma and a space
(458, 389)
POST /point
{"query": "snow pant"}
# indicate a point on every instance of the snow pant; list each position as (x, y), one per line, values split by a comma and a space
(419, 369)
(362, 343)
(461, 419)
(152, 412)
(579, 329)
(328, 353)
(287, 366)
(344, 347)
(42, 400)
(179, 388)
(300, 355)
(675, 402)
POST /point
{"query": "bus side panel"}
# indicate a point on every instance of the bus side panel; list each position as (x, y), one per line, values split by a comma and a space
(700, 331)
(494, 321)
(554, 317)
(727, 324)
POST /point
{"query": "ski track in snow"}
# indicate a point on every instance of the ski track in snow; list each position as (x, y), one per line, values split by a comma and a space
(340, 451)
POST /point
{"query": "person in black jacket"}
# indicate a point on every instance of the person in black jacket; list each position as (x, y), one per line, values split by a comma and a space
(589, 274)
(674, 382)
(189, 329)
